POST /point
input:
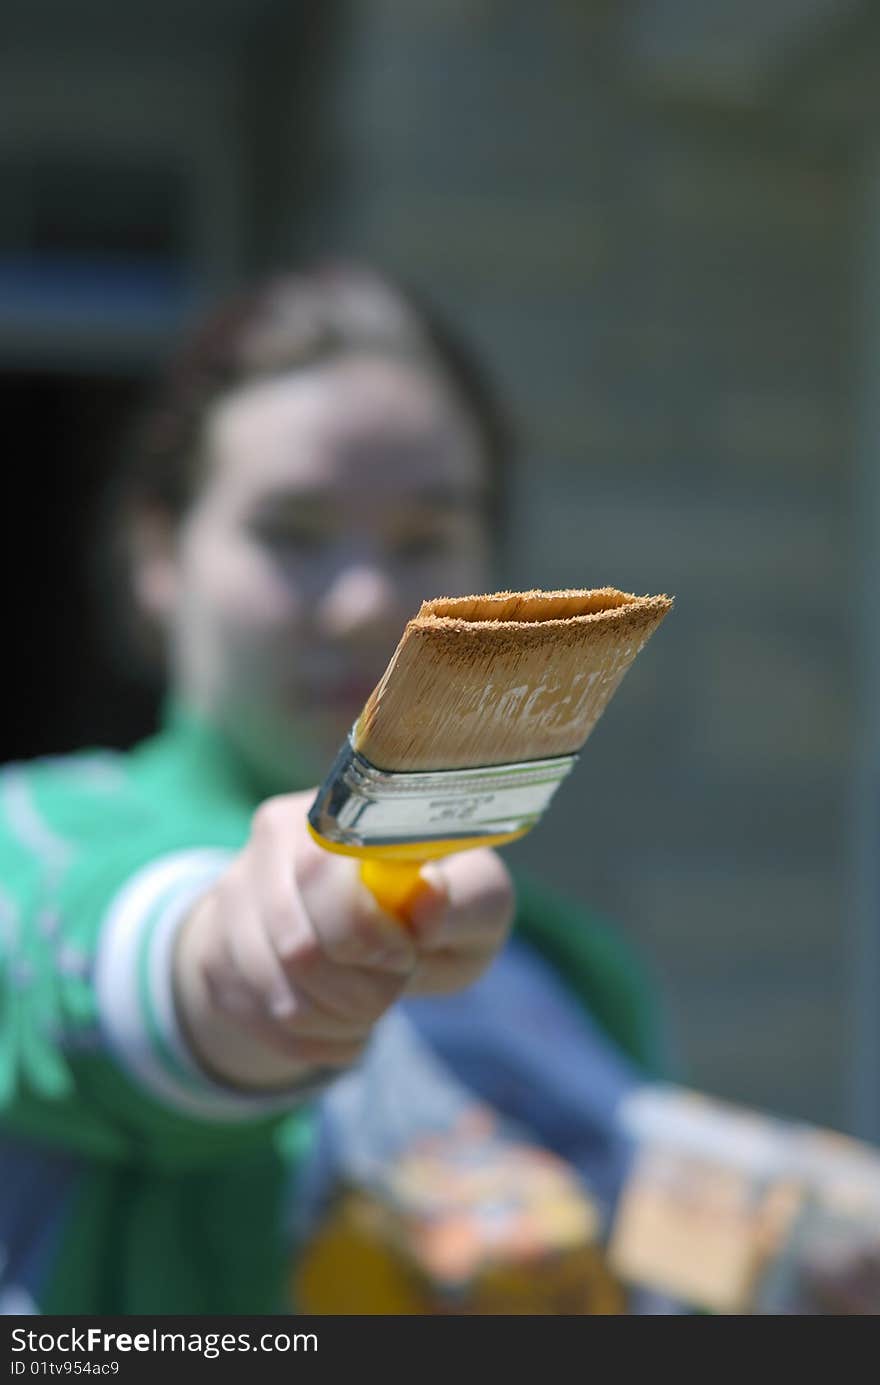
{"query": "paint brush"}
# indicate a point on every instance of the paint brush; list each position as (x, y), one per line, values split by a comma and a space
(478, 718)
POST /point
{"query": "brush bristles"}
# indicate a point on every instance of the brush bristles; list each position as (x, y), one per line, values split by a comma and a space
(493, 680)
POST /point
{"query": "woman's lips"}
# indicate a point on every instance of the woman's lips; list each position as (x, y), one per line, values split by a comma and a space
(336, 695)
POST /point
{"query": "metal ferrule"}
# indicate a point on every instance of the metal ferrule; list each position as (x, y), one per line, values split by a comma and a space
(360, 805)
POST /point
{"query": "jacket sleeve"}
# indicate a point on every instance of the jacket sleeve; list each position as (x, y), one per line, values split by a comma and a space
(91, 1053)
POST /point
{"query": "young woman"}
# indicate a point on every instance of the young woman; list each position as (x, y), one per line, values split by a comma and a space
(186, 972)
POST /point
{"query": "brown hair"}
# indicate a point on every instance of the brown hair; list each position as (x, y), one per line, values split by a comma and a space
(292, 322)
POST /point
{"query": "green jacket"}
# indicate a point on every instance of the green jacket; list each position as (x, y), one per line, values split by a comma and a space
(145, 1186)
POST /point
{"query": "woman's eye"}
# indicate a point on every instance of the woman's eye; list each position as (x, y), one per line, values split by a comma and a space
(290, 538)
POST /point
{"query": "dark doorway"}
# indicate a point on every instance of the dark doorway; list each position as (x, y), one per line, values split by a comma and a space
(62, 687)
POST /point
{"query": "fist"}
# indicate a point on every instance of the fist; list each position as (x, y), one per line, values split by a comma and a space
(288, 961)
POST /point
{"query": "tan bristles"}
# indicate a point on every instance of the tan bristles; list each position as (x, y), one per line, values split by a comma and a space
(493, 680)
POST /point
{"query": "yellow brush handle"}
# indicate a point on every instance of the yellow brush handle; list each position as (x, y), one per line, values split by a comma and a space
(393, 874)
(395, 885)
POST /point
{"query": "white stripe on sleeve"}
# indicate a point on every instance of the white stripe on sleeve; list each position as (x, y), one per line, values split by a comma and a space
(135, 997)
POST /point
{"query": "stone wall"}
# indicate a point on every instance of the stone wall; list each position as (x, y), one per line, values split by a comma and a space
(663, 290)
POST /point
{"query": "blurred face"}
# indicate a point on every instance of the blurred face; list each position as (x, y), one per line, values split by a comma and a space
(335, 501)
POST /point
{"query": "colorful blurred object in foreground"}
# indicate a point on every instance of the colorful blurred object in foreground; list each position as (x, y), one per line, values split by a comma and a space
(736, 1212)
(465, 1223)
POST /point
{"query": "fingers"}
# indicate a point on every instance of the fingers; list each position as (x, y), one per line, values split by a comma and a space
(296, 952)
(312, 896)
(309, 967)
(472, 905)
(248, 948)
(462, 927)
(353, 930)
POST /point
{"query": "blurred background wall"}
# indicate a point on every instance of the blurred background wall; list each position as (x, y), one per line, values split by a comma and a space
(662, 223)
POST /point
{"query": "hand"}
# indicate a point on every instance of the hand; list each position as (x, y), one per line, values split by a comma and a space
(288, 962)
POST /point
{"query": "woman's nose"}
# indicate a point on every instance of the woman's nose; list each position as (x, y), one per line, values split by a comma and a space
(359, 602)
